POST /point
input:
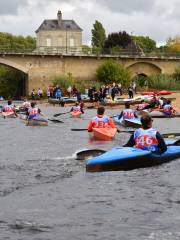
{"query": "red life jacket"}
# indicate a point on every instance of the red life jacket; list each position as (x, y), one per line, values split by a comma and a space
(8, 108)
(76, 108)
(146, 139)
(33, 111)
(141, 106)
(167, 108)
(128, 114)
(100, 122)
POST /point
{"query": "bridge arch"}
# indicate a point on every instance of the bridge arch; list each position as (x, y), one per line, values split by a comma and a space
(144, 68)
(13, 65)
(22, 89)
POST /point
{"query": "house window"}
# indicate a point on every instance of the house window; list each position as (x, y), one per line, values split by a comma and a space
(48, 42)
(71, 42)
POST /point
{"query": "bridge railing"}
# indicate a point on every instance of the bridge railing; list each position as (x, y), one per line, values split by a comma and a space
(84, 51)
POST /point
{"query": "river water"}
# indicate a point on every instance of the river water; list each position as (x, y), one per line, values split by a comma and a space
(45, 194)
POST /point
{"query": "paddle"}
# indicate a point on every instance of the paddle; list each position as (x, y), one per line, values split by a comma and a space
(85, 129)
(59, 114)
(55, 120)
(89, 153)
(165, 135)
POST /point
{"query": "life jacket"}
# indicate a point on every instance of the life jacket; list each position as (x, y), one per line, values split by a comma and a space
(26, 104)
(146, 139)
(32, 112)
(76, 108)
(141, 106)
(128, 114)
(8, 108)
(100, 122)
(167, 108)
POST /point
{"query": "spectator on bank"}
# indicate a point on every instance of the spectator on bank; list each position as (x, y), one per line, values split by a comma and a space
(48, 93)
(130, 91)
(90, 94)
(69, 91)
(40, 93)
(134, 86)
(74, 90)
(113, 93)
(33, 94)
(120, 88)
(78, 95)
(58, 93)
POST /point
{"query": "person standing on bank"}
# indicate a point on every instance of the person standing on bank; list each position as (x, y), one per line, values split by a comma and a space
(130, 91)
(147, 138)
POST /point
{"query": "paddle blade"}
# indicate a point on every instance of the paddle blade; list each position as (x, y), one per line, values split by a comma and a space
(88, 154)
(79, 129)
(59, 114)
(170, 135)
(55, 120)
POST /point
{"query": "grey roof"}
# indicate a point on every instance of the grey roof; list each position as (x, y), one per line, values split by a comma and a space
(52, 24)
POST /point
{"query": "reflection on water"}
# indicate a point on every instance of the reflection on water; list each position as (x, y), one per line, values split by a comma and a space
(46, 194)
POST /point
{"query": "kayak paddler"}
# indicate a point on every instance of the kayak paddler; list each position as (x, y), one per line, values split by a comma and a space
(9, 108)
(33, 111)
(127, 113)
(147, 138)
(100, 120)
(77, 107)
(168, 109)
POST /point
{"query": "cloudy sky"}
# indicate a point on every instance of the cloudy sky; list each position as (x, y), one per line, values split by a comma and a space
(158, 19)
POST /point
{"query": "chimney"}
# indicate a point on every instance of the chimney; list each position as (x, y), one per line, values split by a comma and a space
(59, 17)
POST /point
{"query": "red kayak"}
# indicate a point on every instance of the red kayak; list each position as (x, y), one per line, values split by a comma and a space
(148, 93)
(105, 134)
(76, 113)
(163, 92)
(8, 114)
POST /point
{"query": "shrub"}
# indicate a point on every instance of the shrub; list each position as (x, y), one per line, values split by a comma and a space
(64, 81)
(163, 81)
(110, 71)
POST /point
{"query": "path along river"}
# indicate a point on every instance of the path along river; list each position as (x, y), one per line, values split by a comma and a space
(45, 194)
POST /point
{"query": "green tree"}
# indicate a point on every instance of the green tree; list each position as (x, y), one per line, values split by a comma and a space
(10, 82)
(110, 71)
(121, 39)
(145, 43)
(17, 43)
(98, 35)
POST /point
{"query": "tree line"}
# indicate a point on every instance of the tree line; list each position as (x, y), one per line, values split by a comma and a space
(117, 42)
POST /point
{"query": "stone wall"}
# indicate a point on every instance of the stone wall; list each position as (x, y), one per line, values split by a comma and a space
(41, 69)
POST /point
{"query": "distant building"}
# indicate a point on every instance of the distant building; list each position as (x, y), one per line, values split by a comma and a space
(59, 36)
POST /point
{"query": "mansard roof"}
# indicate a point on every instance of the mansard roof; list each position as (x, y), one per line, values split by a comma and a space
(53, 24)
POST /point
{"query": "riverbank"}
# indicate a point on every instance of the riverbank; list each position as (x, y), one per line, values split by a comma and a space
(175, 103)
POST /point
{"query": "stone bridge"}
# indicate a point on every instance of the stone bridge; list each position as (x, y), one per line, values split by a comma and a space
(41, 69)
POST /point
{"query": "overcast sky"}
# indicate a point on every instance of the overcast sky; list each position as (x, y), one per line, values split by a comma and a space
(158, 19)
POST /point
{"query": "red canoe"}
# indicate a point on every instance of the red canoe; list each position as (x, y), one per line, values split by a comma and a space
(76, 113)
(8, 114)
(148, 93)
(105, 134)
(163, 92)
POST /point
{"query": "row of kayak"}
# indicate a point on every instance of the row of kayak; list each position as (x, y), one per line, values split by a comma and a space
(128, 158)
(38, 120)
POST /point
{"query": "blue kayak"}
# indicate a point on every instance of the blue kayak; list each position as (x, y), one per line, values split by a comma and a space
(133, 122)
(128, 158)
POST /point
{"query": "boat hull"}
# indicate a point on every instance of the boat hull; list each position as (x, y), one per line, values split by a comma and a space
(134, 122)
(129, 159)
(104, 134)
(34, 122)
(75, 114)
(8, 115)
